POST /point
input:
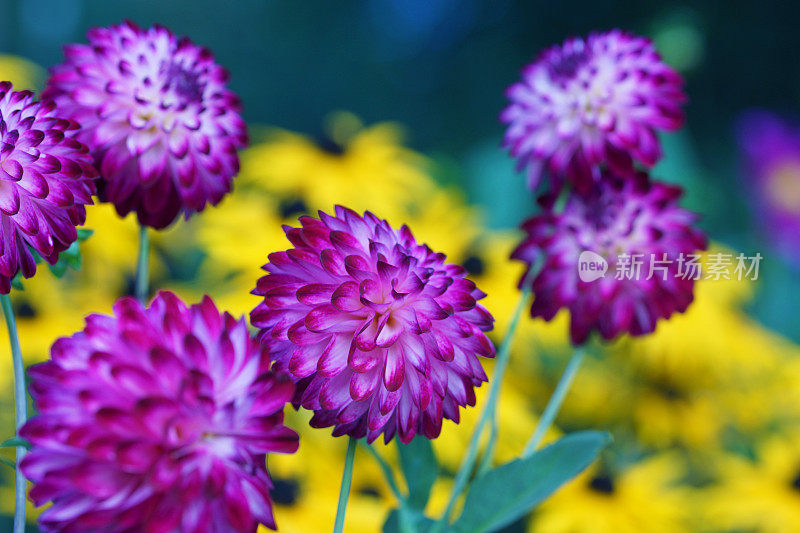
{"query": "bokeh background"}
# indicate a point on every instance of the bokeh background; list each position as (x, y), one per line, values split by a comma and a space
(391, 105)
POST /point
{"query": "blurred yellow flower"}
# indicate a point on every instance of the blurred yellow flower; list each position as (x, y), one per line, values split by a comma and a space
(713, 341)
(645, 497)
(23, 74)
(360, 168)
(762, 494)
(307, 484)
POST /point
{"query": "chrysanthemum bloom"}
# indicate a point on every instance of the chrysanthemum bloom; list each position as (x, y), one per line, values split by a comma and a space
(381, 335)
(156, 419)
(157, 115)
(47, 178)
(591, 101)
(771, 145)
(632, 225)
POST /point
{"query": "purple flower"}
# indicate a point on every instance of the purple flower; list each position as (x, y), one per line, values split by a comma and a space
(380, 334)
(47, 178)
(624, 222)
(771, 145)
(156, 113)
(156, 419)
(591, 101)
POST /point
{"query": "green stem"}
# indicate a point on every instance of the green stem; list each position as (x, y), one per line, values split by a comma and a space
(21, 411)
(143, 266)
(491, 444)
(554, 403)
(387, 471)
(488, 413)
(344, 491)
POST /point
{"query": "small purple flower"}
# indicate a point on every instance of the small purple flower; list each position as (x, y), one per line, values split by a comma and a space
(46, 179)
(771, 146)
(380, 334)
(624, 222)
(156, 113)
(591, 101)
(156, 419)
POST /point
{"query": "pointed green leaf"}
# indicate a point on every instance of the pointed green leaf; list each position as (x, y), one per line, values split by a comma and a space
(506, 493)
(419, 468)
(13, 442)
(59, 269)
(407, 520)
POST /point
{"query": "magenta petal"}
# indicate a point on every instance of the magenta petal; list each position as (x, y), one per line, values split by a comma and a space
(363, 384)
(394, 370)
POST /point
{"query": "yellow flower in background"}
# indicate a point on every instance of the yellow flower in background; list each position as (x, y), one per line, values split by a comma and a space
(498, 276)
(600, 396)
(645, 497)
(516, 424)
(48, 307)
(361, 168)
(307, 483)
(762, 494)
(23, 74)
(713, 341)
(664, 417)
(238, 237)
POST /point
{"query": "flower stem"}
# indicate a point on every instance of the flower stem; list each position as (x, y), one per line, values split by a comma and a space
(488, 413)
(554, 403)
(387, 471)
(143, 266)
(344, 491)
(21, 411)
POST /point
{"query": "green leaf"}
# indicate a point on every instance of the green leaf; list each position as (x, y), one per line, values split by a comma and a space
(506, 493)
(59, 269)
(16, 282)
(71, 257)
(407, 520)
(13, 442)
(420, 470)
(8, 462)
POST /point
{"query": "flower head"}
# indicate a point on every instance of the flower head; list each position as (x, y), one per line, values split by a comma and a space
(620, 224)
(156, 419)
(157, 115)
(771, 145)
(592, 100)
(379, 332)
(47, 178)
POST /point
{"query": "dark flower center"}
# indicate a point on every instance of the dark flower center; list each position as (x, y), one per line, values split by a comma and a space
(328, 145)
(292, 207)
(602, 484)
(285, 491)
(369, 490)
(567, 64)
(24, 310)
(796, 482)
(185, 83)
(474, 265)
(669, 391)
